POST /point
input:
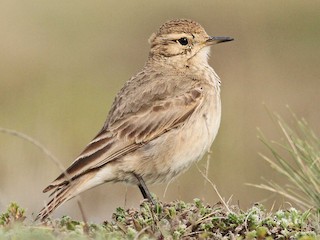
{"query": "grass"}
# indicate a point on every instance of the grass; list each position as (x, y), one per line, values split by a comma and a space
(297, 158)
(175, 220)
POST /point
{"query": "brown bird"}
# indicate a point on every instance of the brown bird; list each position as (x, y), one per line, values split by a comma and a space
(163, 119)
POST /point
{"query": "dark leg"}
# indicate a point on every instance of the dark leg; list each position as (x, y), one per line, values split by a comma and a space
(144, 194)
(144, 190)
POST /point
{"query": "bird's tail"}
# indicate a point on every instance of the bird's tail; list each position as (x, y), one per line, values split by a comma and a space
(62, 193)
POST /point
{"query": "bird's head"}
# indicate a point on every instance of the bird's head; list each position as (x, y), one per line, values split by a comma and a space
(183, 40)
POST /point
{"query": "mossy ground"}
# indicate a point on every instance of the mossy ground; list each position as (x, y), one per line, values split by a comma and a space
(175, 220)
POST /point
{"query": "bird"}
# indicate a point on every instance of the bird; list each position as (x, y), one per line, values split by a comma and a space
(163, 120)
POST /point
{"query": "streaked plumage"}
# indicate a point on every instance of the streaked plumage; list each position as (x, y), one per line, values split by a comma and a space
(164, 119)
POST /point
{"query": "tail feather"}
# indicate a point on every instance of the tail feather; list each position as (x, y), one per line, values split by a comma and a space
(55, 187)
(64, 192)
(61, 195)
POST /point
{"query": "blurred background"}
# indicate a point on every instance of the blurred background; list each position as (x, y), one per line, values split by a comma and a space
(62, 62)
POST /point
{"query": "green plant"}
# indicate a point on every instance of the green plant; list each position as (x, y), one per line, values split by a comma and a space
(13, 215)
(303, 167)
(174, 220)
(298, 159)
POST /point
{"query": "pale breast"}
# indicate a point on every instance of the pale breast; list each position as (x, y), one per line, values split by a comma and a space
(174, 151)
(198, 134)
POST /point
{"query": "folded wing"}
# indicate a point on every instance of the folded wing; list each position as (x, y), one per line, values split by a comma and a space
(131, 132)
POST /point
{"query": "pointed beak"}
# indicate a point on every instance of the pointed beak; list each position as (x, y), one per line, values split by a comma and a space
(216, 40)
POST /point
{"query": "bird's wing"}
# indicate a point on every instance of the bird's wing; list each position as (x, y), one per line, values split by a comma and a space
(131, 131)
(160, 117)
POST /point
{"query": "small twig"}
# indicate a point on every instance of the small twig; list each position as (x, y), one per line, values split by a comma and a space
(207, 166)
(192, 234)
(246, 221)
(167, 186)
(35, 143)
(126, 196)
(206, 173)
(215, 189)
(84, 218)
(47, 153)
(205, 217)
(140, 232)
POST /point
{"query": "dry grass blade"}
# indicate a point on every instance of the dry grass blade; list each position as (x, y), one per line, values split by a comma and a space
(46, 153)
(298, 159)
(35, 143)
(215, 189)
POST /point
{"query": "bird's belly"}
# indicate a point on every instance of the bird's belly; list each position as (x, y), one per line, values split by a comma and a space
(196, 138)
(165, 157)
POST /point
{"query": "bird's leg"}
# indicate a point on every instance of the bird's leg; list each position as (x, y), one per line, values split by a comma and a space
(144, 190)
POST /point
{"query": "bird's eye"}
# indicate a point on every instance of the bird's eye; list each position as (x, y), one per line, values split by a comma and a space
(183, 41)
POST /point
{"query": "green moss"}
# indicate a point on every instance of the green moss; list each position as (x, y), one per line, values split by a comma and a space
(175, 220)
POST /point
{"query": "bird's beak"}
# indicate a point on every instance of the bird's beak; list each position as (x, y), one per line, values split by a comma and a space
(216, 40)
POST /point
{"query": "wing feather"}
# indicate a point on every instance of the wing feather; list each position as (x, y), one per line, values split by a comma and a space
(159, 118)
(130, 133)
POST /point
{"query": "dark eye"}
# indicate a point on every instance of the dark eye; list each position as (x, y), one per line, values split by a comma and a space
(183, 41)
